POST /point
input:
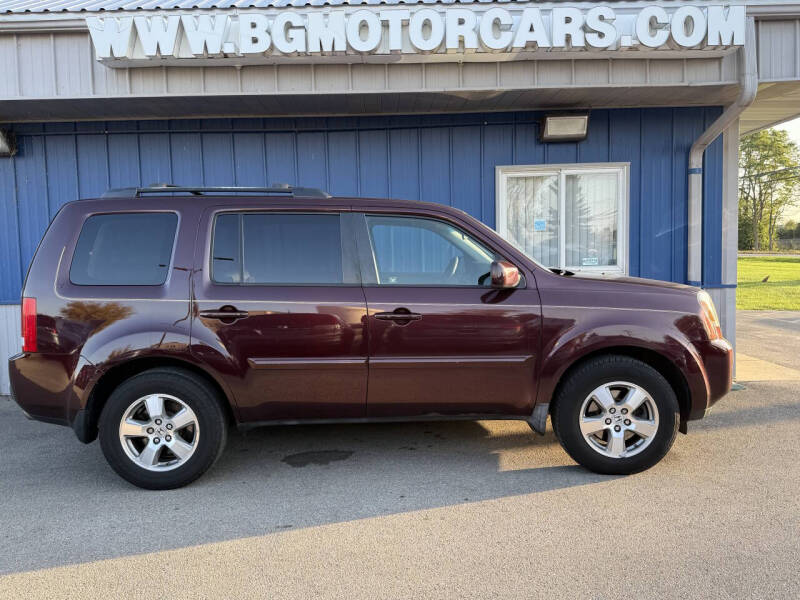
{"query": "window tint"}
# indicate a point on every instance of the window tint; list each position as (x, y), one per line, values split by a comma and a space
(411, 251)
(226, 255)
(277, 249)
(124, 249)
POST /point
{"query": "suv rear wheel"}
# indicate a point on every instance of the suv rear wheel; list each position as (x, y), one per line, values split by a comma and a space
(616, 415)
(162, 429)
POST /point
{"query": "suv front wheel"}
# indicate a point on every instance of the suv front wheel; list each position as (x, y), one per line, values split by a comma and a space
(616, 415)
(162, 429)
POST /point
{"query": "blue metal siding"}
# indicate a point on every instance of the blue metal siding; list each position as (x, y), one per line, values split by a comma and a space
(712, 208)
(440, 158)
(625, 145)
(10, 255)
(655, 241)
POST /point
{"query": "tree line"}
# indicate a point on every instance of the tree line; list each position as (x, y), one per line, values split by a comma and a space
(769, 174)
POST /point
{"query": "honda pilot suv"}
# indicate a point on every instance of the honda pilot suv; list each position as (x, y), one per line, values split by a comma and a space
(155, 318)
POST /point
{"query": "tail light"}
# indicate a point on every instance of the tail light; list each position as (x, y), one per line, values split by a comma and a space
(709, 315)
(29, 324)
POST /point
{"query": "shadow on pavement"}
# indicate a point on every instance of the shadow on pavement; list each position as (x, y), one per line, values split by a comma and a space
(61, 503)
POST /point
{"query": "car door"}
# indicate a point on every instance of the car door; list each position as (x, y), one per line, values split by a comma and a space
(279, 312)
(441, 340)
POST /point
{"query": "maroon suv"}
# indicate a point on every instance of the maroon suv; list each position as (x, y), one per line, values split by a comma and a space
(156, 317)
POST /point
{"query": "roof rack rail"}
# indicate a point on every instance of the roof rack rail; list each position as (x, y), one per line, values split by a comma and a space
(161, 188)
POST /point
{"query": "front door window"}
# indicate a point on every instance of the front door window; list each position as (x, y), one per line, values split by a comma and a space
(418, 251)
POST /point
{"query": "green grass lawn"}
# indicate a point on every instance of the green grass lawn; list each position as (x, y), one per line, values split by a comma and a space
(780, 292)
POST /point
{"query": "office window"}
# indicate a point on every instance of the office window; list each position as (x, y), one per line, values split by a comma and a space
(566, 216)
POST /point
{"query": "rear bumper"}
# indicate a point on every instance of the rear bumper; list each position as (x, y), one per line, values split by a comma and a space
(716, 357)
(39, 387)
(44, 388)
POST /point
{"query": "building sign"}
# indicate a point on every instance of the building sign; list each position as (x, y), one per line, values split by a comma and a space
(270, 34)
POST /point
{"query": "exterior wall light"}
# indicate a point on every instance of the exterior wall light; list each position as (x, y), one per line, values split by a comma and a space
(8, 145)
(564, 128)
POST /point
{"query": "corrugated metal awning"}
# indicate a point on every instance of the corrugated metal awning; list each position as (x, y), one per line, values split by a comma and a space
(67, 6)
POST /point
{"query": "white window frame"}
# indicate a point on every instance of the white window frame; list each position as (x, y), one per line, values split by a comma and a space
(622, 169)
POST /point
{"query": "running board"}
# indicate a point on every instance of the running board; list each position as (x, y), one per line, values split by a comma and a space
(531, 420)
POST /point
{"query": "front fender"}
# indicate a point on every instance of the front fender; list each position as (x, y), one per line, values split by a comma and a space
(579, 339)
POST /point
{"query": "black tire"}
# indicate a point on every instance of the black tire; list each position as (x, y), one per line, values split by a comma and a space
(593, 374)
(190, 389)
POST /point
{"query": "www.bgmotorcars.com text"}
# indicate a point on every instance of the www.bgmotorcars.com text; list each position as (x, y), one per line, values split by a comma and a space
(413, 31)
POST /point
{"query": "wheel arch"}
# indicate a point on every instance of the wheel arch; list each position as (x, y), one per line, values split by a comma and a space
(652, 358)
(86, 424)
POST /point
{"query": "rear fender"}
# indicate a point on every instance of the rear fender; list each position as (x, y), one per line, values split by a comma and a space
(152, 348)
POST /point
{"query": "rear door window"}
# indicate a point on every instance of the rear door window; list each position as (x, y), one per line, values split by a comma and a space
(124, 249)
(277, 248)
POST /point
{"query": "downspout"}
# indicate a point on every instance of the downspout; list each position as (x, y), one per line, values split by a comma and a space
(748, 81)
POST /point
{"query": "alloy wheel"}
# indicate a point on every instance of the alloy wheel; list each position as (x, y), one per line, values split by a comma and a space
(619, 419)
(159, 432)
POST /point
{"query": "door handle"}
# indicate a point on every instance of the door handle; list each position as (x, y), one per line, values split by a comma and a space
(401, 316)
(224, 313)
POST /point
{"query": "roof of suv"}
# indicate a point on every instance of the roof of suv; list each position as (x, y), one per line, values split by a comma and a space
(278, 193)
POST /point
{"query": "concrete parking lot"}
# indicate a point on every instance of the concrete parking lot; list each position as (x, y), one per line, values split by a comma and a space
(429, 510)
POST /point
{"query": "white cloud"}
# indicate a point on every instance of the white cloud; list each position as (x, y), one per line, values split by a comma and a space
(793, 128)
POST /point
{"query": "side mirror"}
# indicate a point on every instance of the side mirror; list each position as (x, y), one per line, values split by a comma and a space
(504, 275)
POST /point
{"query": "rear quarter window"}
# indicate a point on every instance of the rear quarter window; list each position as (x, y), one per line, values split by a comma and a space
(124, 249)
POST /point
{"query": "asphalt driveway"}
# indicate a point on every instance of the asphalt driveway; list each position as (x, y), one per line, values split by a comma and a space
(443, 510)
(771, 335)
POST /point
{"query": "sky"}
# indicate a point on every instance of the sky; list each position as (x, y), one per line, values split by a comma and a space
(793, 128)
